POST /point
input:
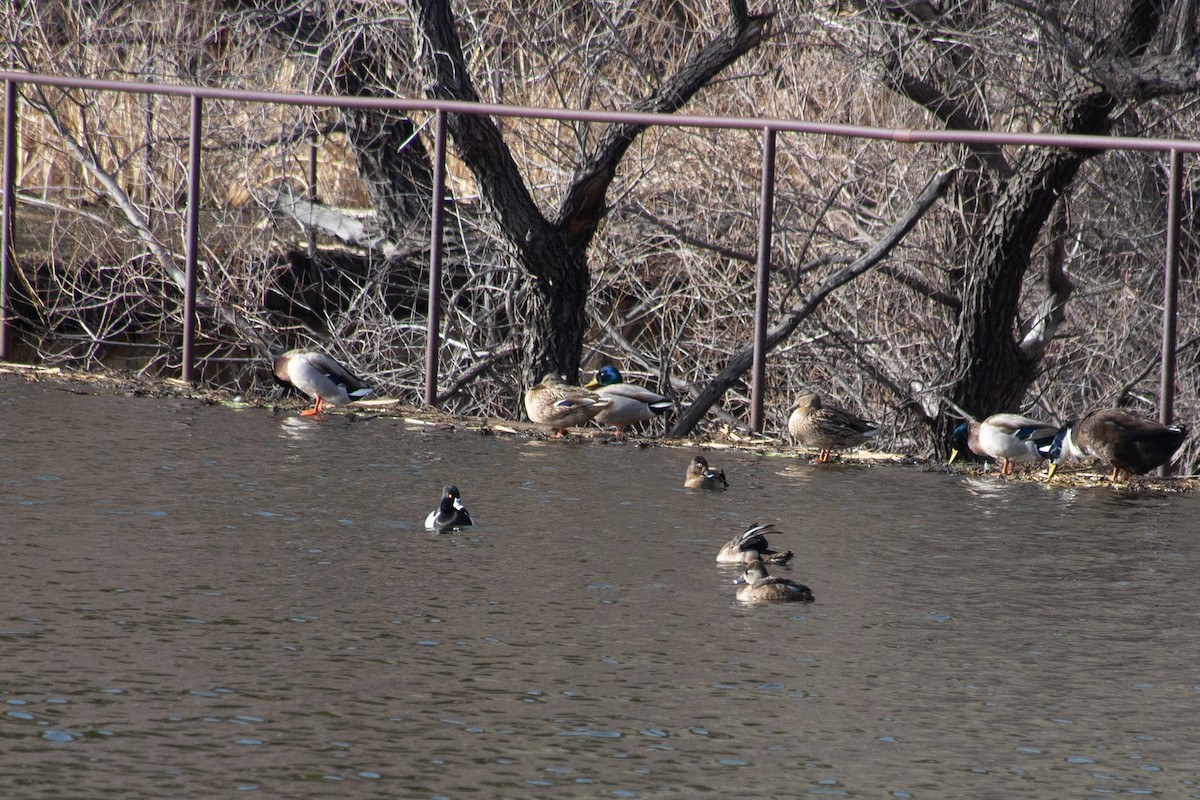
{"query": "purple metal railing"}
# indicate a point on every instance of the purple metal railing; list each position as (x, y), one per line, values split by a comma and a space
(769, 127)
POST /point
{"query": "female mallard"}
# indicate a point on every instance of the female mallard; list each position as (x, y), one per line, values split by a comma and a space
(827, 428)
(326, 381)
(1125, 442)
(751, 545)
(560, 405)
(1003, 437)
(756, 585)
(701, 476)
(450, 514)
(631, 403)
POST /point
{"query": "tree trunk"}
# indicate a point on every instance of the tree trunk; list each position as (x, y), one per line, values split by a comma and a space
(990, 372)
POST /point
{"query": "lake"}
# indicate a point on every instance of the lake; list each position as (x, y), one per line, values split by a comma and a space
(200, 600)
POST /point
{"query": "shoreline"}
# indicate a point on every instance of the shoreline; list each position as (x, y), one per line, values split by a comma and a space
(116, 384)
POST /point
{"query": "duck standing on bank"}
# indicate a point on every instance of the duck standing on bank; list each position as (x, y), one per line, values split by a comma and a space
(756, 585)
(751, 545)
(630, 404)
(699, 475)
(1125, 442)
(450, 514)
(560, 405)
(827, 428)
(320, 377)
(1005, 438)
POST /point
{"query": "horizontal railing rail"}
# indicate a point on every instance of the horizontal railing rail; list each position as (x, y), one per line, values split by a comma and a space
(769, 128)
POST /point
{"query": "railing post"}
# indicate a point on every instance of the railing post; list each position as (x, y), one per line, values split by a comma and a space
(7, 214)
(762, 280)
(1166, 386)
(433, 330)
(190, 240)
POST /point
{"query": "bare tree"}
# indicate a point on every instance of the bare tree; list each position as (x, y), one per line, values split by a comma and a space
(1085, 65)
(551, 249)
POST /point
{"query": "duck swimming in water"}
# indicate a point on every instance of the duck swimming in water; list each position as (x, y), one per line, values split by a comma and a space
(450, 514)
(757, 585)
(699, 475)
(751, 545)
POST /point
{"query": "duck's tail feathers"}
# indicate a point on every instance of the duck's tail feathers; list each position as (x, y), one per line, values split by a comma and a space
(780, 558)
(360, 394)
(660, 406)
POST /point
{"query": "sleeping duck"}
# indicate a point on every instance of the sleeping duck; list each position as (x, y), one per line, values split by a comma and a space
(826, 428)
(1005, 438)
(317, 375)
(450, 514)
(755, 585)
(1127, 443)
(751, 545)
(560, 405)
(631, 403)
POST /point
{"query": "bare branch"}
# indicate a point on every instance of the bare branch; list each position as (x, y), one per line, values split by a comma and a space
(740, 362)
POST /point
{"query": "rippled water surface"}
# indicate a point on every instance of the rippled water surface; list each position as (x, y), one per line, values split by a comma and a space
(198, 600)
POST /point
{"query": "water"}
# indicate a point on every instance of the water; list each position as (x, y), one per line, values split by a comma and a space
(199, 601)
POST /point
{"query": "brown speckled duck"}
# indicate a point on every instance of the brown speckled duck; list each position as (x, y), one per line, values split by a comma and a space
(558, 404)
(826, 428)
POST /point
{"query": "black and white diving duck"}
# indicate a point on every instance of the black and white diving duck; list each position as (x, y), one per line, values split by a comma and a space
(450, 514)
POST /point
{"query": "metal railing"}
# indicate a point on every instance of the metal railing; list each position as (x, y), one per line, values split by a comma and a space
(769, 128)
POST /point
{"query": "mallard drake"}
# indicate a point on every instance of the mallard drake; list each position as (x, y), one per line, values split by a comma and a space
(1125, 442)
(701, 476)
(317, 375)
(750, 545)
(757, 585)
(631, 403)
(560, 405)
(450, 513)
(1003, 437)
(826, 428)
